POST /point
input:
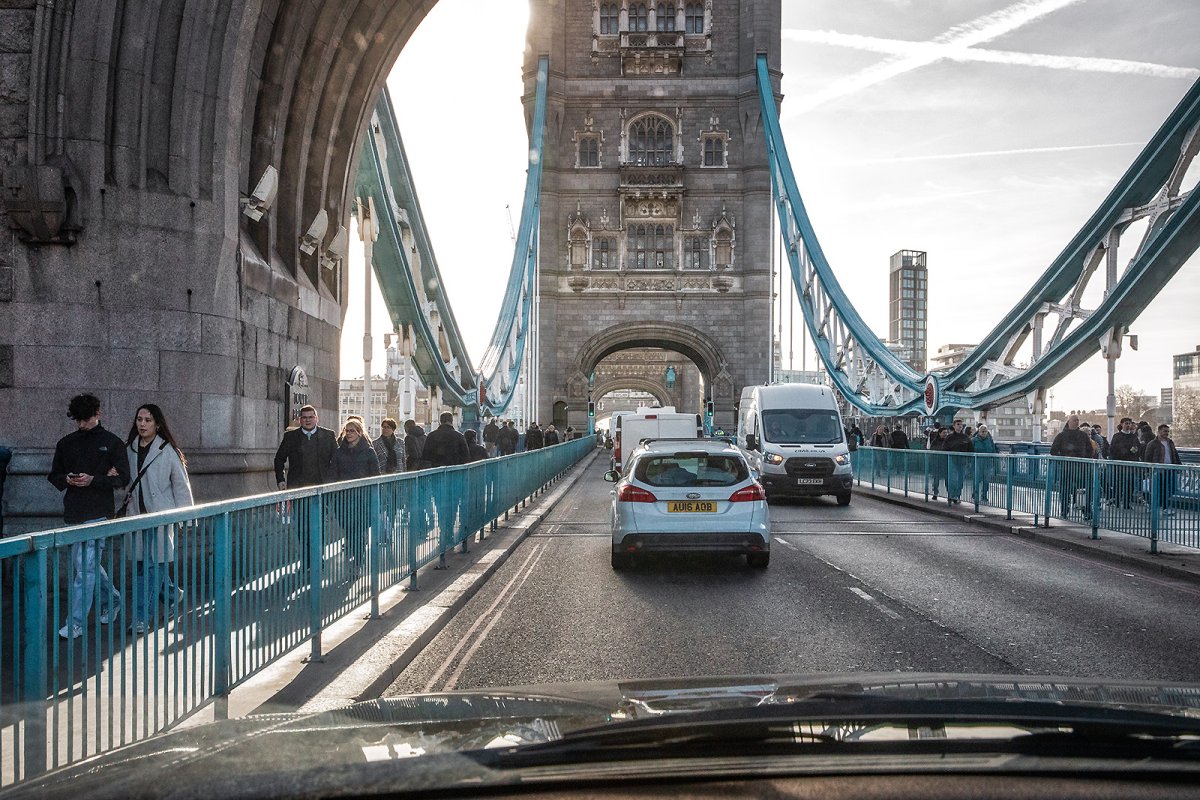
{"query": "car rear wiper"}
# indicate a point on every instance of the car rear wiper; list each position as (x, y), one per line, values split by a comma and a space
(831, 722)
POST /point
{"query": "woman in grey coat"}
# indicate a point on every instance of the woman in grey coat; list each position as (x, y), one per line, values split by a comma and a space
(163, 485)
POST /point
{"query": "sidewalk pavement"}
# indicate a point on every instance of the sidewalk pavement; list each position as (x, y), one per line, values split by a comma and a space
(1172, 560)
(363, 656)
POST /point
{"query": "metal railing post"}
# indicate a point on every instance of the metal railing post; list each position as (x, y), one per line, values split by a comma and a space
(975, 480)
(373, 545)
(1008, 489)
(1052, 468)
(315, 545)
(1095, 500)
(1155, 516)
(32, 643)
(906, 459)
(222, 613)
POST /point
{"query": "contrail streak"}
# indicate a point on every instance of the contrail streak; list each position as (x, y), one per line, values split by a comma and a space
(898, 47)
(969, 34)
(986, 153)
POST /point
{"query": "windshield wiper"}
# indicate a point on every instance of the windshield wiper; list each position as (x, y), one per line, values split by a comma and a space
(832, 722)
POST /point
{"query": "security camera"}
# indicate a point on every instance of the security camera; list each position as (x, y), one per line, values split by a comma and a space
(337, 248)
(316, 232)
(263, 195)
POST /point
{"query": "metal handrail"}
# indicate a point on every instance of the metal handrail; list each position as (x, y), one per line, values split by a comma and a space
(1159, 502)
(240, 595)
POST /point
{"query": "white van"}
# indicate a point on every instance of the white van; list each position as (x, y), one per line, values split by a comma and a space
(651, 423)
(793, 435)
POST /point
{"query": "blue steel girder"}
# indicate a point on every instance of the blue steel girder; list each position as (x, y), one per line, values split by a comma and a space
(412, 285)
(877, 382)
(412, 288)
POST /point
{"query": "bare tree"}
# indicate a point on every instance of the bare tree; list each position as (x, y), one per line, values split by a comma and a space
(1132, 403)
(1186, 412)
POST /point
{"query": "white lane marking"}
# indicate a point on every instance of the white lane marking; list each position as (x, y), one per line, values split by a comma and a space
(475, 625)
(879, 606)
(783, 541)
(466, 659)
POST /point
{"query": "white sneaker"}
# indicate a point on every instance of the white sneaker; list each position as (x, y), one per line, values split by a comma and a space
(70, 631)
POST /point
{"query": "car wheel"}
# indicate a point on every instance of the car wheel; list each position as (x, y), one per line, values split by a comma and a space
(758, 560)
(620, 560)
(843, 499)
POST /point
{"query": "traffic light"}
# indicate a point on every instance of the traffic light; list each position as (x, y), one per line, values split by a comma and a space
(709, 408)
(591, 408)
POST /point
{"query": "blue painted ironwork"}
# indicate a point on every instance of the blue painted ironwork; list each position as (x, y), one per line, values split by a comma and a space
(876, 381)
(241, 594)
(413, 288)
(1155, 501)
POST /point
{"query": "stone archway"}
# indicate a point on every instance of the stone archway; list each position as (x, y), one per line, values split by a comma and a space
(637, 385)
(140, 129)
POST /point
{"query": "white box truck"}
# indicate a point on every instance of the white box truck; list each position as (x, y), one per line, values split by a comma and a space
(651, 423)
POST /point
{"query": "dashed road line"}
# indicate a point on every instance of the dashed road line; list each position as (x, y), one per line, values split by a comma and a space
(878, 606)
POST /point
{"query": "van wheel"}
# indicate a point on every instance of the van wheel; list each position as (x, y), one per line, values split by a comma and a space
(620, 560)
(843, 499)
(758, 560)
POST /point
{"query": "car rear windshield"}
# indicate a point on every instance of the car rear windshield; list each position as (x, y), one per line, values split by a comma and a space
(691, 469)
(801, 426)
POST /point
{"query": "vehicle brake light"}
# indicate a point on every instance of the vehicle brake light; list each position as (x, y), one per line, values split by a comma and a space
(747, 494)
(651, 416)
(635, 494)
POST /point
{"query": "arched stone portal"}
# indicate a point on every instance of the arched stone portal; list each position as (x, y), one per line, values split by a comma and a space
(129, 135)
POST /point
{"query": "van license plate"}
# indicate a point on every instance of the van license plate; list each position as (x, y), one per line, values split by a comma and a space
(692, 506)
(810, 481)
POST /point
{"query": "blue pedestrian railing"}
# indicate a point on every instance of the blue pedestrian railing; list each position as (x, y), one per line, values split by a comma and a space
(248, 581)
(1157, 501)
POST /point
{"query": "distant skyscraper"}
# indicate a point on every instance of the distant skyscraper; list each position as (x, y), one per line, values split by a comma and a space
(908, 301)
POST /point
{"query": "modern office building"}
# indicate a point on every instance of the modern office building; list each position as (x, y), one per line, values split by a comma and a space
(908, 303)
(1185, 370)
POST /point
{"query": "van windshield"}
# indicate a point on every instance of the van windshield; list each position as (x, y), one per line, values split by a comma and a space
(802, 426)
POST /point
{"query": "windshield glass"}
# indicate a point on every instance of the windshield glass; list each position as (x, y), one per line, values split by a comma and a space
(683, 469)
(801, 426)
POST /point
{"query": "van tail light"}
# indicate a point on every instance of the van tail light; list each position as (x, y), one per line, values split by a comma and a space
(748, 494)
(635, 494)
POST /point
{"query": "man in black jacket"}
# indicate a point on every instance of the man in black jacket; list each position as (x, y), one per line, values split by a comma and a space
(534, 440)
(957, 442)
(899, 439)
(1162, 452)
(1071, 442)
(446, 447)
(506, 440)
(1126, 447)
(491, 432)
(307, 453)
(88, 464)
(414, 445)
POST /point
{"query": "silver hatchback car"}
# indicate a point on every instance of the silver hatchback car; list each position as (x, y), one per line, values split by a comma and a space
(695, 495)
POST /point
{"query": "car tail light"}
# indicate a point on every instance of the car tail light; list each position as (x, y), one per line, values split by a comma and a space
(748, 494)
(635, 494)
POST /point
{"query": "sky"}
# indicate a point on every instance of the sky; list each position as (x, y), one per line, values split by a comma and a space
(983, 132)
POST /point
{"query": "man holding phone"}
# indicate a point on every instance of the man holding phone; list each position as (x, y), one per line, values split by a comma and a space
(88, 464)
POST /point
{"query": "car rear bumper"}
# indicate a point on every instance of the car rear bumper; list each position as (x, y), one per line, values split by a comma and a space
(787, 486)
(743, 542)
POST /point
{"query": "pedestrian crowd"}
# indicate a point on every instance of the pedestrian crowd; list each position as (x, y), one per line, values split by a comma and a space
(92, 466)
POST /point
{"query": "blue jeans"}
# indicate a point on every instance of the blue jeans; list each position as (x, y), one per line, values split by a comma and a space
(152, 581)
(87, 558)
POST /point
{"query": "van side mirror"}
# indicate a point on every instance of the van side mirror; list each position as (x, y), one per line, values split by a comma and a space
(612, 476)
(751, 441)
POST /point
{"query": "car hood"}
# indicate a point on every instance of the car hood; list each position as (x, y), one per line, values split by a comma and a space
(317, 752)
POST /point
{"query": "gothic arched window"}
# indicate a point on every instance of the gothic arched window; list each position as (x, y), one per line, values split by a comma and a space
(639, 17)
(604, 253)
(693, 18)
(652, 142)
(589, 151)
(664, 17)
(695, 252)
(610, 18)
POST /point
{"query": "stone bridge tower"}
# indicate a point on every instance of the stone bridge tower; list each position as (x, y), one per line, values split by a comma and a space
(656, 196)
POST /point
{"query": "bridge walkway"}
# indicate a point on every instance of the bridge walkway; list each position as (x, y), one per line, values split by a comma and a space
(364, 657)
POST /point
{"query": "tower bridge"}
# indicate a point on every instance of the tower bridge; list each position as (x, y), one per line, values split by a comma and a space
(198, 255)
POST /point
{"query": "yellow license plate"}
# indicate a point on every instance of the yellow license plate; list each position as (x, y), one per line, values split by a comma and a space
(692, 506)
